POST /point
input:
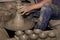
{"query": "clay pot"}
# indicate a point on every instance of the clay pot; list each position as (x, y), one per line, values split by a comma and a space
(3, 34)
(11, 39)
(19, 23)
(38, 39)
(4, 15)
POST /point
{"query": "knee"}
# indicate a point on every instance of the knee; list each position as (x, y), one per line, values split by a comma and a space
(46, 10)
(46, 7)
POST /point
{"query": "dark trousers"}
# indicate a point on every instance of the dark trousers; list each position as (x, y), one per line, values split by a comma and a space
(47, 12)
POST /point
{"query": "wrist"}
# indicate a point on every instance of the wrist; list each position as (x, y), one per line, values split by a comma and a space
(31, 8)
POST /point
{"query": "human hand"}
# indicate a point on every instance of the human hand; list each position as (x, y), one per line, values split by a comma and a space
(24, 9)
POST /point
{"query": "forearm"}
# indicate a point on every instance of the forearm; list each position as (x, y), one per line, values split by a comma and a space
(39, 5)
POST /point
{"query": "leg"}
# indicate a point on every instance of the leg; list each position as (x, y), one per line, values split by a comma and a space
(45, 15)
(56, 12)
(34, 15)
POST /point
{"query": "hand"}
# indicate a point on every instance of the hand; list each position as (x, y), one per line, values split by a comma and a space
(24, 9)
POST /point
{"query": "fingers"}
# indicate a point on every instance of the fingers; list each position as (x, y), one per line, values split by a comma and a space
(23, 13)
(23, 10)
(20, 7)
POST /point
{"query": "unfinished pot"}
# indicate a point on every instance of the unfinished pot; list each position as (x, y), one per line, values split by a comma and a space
(18, 22)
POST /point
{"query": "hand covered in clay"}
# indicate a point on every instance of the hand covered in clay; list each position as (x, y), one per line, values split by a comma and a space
(24, 9)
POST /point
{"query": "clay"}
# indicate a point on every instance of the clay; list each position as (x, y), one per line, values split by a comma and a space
(54, 23)
(43, 35)
(33, 36)
(19, 33)
(18, 22)
(14, 38)
(23, 37)
(28, 32)
(52, 34)
(37, 31)
(6, 0)
(3, 34)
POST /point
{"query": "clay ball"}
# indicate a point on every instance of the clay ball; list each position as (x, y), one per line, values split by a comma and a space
(37, 31)
(38, 39)
(43, 35)
(28, 32)
(23, 37)
(18, 33)
(33, 36)
(52, 34)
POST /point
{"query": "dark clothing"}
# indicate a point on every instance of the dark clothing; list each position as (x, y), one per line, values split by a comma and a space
(47, 12)
(45, 15)
(56, 2)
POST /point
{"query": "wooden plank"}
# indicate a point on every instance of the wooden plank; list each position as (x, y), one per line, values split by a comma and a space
(32, 1)
(6, 0)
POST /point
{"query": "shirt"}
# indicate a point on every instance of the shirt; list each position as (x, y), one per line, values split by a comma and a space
(56, 2)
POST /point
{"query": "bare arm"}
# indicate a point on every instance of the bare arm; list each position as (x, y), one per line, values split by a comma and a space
(40, 4)
(31, 8)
